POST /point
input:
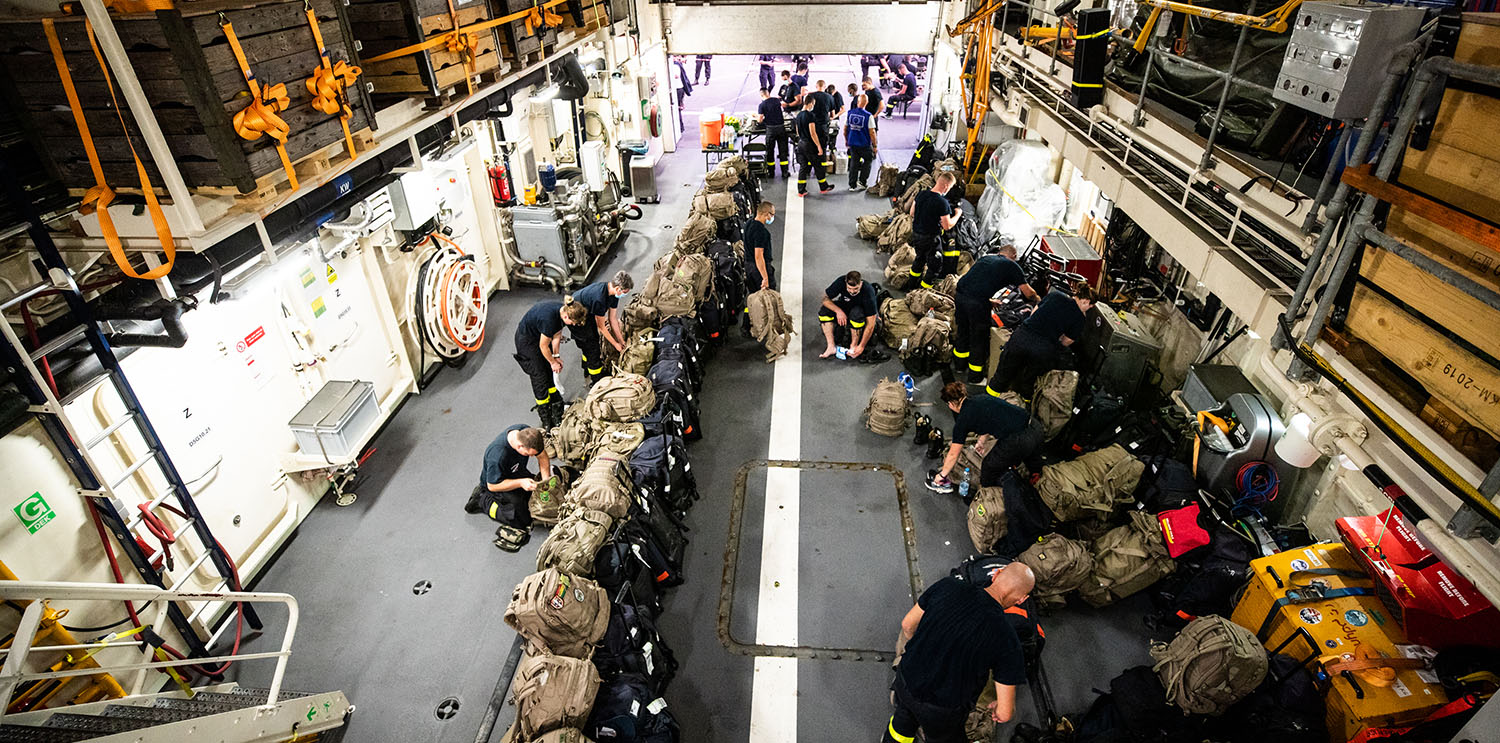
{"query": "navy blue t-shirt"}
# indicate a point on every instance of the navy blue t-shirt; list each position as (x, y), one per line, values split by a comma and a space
(988, 415)
(989, 275)
(808, 127)
(822, 105)
(542, 319)
(1057, 315)
(838, 293)
(927, 218)
(873, 99)
(770, 111)
(800, 81)
(596, 298)
(963, 638)
(756, 235)
(501, 462)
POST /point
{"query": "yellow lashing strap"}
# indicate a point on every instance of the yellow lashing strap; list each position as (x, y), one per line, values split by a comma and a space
(97, 199)
(461, 43)
(443, 39)
(266, 103)
(329, 80)
(540, 17)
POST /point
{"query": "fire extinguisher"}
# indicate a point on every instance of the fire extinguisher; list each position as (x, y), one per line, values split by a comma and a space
(500, 185)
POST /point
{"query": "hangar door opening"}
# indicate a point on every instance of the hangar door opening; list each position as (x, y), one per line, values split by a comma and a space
(763, 27)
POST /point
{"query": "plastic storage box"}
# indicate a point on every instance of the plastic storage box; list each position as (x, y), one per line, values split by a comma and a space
(334, 421)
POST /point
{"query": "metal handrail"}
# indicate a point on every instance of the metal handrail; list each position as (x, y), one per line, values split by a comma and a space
(37, 593)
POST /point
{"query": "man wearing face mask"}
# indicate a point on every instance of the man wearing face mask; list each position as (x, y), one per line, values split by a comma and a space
(759, 271)
(602, 300)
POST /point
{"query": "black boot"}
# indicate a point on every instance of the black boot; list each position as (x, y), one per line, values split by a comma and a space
(552, 414)
(924, 424)
(935, 444)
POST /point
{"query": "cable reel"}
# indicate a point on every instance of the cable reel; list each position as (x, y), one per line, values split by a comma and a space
(449, 303)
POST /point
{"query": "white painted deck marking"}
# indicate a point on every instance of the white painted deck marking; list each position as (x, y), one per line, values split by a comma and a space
(773, 692)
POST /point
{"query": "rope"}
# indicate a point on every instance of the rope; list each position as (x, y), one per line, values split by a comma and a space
(329, 80)
(461, 43)
(98, 198)
(261, 117)
(442, 38)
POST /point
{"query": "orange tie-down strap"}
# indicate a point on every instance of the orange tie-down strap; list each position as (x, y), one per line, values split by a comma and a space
(98, 198)
(535, 16)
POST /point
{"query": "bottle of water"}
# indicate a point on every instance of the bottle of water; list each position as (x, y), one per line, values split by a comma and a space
(963, 486)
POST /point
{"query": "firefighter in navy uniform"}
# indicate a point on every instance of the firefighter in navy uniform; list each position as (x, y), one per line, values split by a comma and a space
(1009, 433)
(972, 306)
(538, 342)
(602, 300)
(810, 148)
(932, 215)
(760, 272)
(778, 139)
(505, 483)
(1033, 349)
(957, 638)
(823, 108)
(767, 71)
(849, 302)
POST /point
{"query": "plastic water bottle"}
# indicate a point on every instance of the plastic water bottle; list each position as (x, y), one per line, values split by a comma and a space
(963, 486)
(906, 381)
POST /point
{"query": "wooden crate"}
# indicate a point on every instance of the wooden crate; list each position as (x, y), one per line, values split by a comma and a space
(585, 16)
(522, 48)
(190, 76)
(386, 25)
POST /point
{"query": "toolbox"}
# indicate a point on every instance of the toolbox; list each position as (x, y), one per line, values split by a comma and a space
(1317, 604)
(1435, 605)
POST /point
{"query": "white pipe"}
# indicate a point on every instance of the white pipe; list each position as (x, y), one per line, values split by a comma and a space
(145, 118)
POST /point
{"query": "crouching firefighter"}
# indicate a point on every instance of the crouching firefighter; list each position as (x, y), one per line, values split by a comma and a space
(505, 483)
(538, 344)
(958, 638)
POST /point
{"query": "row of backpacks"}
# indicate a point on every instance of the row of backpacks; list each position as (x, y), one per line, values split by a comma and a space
(596, 668)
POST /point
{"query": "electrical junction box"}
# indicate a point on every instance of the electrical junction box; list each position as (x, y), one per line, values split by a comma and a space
(595, 169)
(414, 200)
(1337, 56)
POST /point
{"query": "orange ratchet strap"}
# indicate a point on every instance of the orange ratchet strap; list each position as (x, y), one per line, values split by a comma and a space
(329, 80)
(538, 12)
(97, 199)
(266, 102)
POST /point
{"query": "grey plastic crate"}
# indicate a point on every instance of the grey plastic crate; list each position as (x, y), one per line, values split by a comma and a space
(334, 421)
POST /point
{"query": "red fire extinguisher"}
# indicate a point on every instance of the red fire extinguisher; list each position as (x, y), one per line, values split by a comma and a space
(500, 185)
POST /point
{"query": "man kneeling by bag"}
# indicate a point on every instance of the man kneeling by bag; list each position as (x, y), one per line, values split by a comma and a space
(505, 483)
(1016, 437)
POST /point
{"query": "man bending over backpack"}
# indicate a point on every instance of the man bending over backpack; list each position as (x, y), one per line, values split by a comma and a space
(1016, 437)
(505, 483)
(957, 637)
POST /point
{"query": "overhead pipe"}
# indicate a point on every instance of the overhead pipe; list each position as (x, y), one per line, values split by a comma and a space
(168, 312)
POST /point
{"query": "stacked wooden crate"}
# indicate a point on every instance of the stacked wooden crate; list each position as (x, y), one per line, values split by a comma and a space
(585, 16)
(195, 87)
(523, 46)
(1444, 339)
(383, 26)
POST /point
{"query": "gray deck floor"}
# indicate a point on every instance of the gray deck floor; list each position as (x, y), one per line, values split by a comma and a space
(398, 654)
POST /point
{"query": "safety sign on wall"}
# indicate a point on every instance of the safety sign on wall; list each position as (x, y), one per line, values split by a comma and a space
(34, 512)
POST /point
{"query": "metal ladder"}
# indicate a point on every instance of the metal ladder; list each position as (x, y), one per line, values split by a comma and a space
(116, 514)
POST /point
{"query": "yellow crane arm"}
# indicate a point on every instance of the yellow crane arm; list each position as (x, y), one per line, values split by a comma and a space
(1274, 21)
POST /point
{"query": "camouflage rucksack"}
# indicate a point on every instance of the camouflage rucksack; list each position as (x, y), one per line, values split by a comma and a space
(610, 437)
(639, 353)
(769, 322)
(1092, 485)
(716, 205)
(886, 413)
(909, 196)
(720, 179)
(898, 268)
(927, 347)
(552, 692)
(622, 397)
(885, 181)
(559, 613)
(641, 313)
(1210, 665)
(896, 234)
(564, 735)
(987, 522)
(574, 541)
(922, 301)
(695, 233)
(1052, 405)
(1127, 559)
(546, 502)
(1059, 564)
(569, 441)
(605, 485)
(869, 226)
(896, 322)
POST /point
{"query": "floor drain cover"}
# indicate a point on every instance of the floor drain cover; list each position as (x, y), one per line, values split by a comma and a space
(422, 586)
(446, 708)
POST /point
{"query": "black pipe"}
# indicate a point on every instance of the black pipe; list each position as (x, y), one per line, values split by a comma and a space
(167, 312)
